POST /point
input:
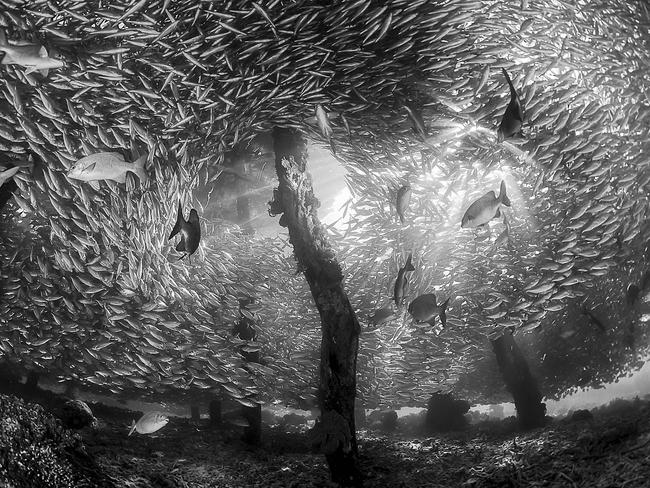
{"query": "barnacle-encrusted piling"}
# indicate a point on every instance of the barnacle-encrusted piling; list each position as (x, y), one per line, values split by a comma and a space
(340, 328)
(520, 382)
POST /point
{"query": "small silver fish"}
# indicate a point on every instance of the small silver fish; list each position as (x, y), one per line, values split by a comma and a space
(107, 166)
(417, 121)
(485, 208)
(403, 200)
(34, 57)
(6, 175)
(149, 423)
(504, 237)
(324, 125)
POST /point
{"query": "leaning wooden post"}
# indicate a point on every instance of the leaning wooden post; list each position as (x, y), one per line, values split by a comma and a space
(520, 382)
(294, 199)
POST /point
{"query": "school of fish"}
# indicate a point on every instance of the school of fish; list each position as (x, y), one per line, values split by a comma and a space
(452, 97)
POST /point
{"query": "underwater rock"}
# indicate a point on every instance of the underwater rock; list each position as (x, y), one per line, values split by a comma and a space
(293, 420)
(384, 420)
(77, 415)
(444, 413)
(581, 415)
(37, 452)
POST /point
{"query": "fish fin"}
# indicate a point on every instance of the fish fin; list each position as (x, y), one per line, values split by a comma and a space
(140, 169)
(179, 222)
(332, 146)
(44, 72)
(135, 153)
(498, 214)
(432, 321)
(443, 313)
(180, 247)
(30, 70)
(513, 92)
(95, 185)
(7, 59)
(503, 196)
(132, 428)
(90, 167)
(42, 52)
(409, 264)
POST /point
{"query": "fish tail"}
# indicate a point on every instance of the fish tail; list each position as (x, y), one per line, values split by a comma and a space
(443, 313)
(132, 429)
(512, 87)
(140, 169)
(503, 197)
(179, 222)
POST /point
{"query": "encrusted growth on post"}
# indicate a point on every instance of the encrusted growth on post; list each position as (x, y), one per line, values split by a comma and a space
(295, 199)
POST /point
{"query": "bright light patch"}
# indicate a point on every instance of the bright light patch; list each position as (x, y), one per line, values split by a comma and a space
(340, 209)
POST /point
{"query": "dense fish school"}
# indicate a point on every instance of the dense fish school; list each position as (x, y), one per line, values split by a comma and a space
(428, 105)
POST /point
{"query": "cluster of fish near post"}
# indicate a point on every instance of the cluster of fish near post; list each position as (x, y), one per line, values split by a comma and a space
(134, 82)
(425, 307)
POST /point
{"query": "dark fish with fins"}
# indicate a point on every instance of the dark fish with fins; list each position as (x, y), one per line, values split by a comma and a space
(402, 281)
(485, 208)
(382, 315)
(190, 231)
(513, 118)
(425, 308)
(634, 292)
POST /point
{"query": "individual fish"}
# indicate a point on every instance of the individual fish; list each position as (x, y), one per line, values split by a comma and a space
(403, 201)
(631, 293)
(485, 208)
(381, 316)
(149, 423)
(417, 121)
(189, 229)
(594, 319)
(504, 237)
(7, 174)
(34, 57)
(324, 125)
(107, 166)
(513, 118)
(401, 282)
(425, 308)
